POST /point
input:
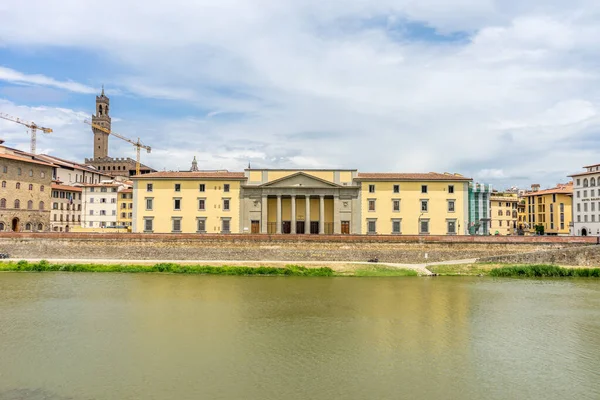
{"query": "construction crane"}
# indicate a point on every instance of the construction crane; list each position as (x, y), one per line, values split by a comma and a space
(138, 145)
(31, 125)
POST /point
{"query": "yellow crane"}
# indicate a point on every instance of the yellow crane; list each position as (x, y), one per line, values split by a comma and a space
(138, 145)
(31, 125)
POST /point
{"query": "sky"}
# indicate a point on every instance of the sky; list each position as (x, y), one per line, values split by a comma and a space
(506, 92)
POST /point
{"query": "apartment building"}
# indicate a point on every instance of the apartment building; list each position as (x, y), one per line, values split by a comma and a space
(504, 212)
(99, 204)
(125, 208)
(66, 207)
(586, 202)
(549, 209)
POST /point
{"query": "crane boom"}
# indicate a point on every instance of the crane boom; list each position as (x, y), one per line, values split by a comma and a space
(31, 125)
(138, 145)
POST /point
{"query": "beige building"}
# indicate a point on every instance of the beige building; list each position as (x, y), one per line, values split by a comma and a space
(270, 201)
(125, 208)
(504, 212)
(24, 191)
(66, 208)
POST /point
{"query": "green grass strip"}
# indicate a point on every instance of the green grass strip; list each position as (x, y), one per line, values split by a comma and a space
(382, 271)
(288, 270)
(544, 271)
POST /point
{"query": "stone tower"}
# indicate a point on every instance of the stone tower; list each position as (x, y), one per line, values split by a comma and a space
(101, 118)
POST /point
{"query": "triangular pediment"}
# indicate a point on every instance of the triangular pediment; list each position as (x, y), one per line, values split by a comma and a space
(301, 179)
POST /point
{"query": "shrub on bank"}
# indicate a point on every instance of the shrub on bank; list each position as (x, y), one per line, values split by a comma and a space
(288, 270)
(544, 271)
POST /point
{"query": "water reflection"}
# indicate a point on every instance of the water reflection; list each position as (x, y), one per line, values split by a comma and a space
(102, 336)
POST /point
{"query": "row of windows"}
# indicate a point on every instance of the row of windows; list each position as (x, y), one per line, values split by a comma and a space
(104, 189)
(424, 189)
(103, 200)
(201, 187)
(585, 206)
(514, 213)
(424, 205)
(177, 204)
(585, 193)
(585, 218)
(75, 207)
(17, 204)
(59, 194)
(451, 228)
(28, 226)
(18, 186)
(19, 171)
(200, 225)
(592, 182)
(102, 212)
(124, 205)
(125, 196)
(117, 168)
(66, 218)
(126, 215)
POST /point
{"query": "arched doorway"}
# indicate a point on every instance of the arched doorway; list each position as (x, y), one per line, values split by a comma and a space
(15, 225)
(584, 232)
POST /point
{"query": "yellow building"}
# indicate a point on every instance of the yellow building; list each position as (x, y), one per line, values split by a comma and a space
(300, 202)
(414, 204)
(125, 208)
(187, 202)
(550, 208)
(522, 224)
(504, 213)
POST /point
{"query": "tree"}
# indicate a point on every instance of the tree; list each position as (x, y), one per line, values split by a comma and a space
(539, 229)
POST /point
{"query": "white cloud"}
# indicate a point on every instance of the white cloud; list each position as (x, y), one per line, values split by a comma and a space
(10, 75)
(318, 83)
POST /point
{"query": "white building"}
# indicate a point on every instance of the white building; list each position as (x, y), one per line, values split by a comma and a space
(586, 202)
(99, 204)
(69, 172)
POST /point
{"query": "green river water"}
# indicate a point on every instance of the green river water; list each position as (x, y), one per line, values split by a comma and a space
(152, 336)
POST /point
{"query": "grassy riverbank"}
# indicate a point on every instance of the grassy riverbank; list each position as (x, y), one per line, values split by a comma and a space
(174, 268)
(513, 270)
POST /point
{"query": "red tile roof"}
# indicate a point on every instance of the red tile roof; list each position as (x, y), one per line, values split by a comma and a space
(23, 159)
(66, 188)
(430, 176)
(565, 188)
(193, 175)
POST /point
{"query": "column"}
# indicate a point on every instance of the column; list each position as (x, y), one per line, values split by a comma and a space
(337, 225)
(264, 215)
(293, 222)
(278, 228)
(321, 215)
(307, 218)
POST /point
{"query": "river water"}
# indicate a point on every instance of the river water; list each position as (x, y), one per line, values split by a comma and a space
(119, 336)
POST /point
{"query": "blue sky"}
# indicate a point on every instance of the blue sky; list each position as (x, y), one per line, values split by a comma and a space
(505, 92)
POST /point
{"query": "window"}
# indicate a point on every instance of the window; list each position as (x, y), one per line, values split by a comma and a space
(424, 205)
(371, 226)
(585, 182)
(91, 199)
(201, 225)
(123, 205)
(177, 204)
(28, 226)
(114, 212)
(371, 188)
(42, 188)
(30, 205)
(3, 184)
(371, 205)
(148, 226)
(423, 188)
(593, 182)
(584, 207)
(396, 205)
(451, 227)
(578, 194)
(424, 226)
(113, 200)
(578, 182)
(176, 224)
(201, 204)
(585, 218)
(2, 223)
(103, 200)
(41, 206)
(579, 218)
(584, 194)
(562, 207)
(30, 172)
(500, 213)
(225, 225)
(149, 203)
(396, 226)
(450, 205)
(123, 196)
(4, 169)
(592, 192)
(17, 204)
(396, 188)
(178, 187)
(18, 185)
(55, 206)
(149, 188)
(103, 190)
(18, 171)
(592, 206)
(102, 212)
(92, 189)
(226, 187)
(40, 227)
(202, 187)
(91, 212)
(2, 203)
(42, 174)
(226, 204)
(500, 223)
(450, 189)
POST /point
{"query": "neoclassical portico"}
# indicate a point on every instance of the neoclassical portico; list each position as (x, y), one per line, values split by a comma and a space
(300, 204)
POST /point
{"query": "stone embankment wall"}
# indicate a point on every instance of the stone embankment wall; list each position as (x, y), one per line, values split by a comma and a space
(404, 249)
(586, 256)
